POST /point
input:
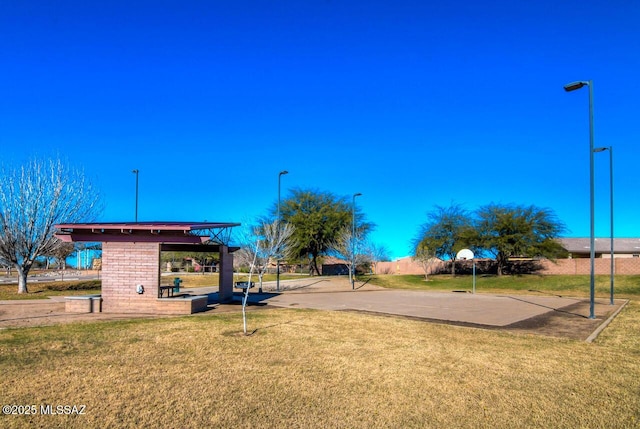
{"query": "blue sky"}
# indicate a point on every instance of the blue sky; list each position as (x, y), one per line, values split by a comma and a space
(411, 103)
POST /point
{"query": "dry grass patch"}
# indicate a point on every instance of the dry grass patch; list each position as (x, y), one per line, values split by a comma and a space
(305, 368)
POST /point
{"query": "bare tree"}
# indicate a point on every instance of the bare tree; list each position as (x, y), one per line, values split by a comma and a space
(60, 252)
(265, 243)
(351, 249)
(33, 199)
(378, 253)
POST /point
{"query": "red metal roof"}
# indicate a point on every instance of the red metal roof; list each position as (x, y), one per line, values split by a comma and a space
(159, 232)
(176, 226)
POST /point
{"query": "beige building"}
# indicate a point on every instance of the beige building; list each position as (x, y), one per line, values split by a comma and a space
(622, 247)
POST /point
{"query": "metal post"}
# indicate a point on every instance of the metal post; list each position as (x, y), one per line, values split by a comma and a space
(353, 241)
(474, 276)
(278, 233)
(592, 282)
(136, 173)
(611, 218)
(572, 87)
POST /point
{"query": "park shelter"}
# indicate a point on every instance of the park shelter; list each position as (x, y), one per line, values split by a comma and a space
(131, 261)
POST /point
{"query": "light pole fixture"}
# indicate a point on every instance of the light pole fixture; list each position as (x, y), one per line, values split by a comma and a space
(353, 240)
(136, 173)
(592, 286)
(282, 173)
(610, 149)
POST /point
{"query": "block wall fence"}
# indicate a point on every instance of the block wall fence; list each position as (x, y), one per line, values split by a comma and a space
(622, 266)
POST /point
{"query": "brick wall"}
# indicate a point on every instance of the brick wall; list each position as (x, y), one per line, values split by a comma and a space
(405, 266)
(583, 266)
(622, 266)
(189, 305)
(124, 266)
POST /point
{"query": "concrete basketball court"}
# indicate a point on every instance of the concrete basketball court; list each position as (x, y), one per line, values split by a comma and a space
(465, 308)
(478, 309)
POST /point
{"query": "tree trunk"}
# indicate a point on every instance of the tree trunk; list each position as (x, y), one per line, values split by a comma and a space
(500, 263)
(22, 279)
(314, 265)
(453, 267)
(351, 275)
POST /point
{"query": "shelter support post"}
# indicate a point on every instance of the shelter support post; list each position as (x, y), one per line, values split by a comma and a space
(226, 275)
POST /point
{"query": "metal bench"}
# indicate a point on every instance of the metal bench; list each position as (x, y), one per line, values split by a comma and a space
(161, 290)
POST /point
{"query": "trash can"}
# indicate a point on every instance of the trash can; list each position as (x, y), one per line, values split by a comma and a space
(176, 284)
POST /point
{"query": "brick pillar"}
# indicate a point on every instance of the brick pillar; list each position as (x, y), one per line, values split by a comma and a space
(124, 266)
(225, 290)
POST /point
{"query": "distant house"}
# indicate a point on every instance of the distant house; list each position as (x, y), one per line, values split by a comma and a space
(622, 247)
(334, 267)
(192, 263)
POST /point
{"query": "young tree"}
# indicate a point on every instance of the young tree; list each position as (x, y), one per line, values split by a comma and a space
(318, 218)
(351, 249)
(425, 256)
(263, 244)
(508, 230)
(444, 234)
(33, 199)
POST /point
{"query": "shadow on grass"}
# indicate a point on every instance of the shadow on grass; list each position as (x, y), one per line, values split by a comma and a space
(303, 286)
(255, 331)
(363, 284)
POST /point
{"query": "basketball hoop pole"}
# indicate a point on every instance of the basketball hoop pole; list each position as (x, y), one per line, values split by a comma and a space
(466, 254)
(474, 276)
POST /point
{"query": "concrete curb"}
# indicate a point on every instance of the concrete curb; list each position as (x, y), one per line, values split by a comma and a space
(601, 328)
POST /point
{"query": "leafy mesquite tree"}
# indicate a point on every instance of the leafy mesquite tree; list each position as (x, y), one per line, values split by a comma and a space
(510, 230)
(318, 218)
(444, 234)
(33, 199)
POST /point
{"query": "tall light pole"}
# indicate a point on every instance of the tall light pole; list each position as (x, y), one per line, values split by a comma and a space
(610, 149)
(592, 286)
(136, 173)
(283, 172)
(353, 240)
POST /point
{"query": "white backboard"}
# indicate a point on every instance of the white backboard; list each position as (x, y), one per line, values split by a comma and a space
(464, 254)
